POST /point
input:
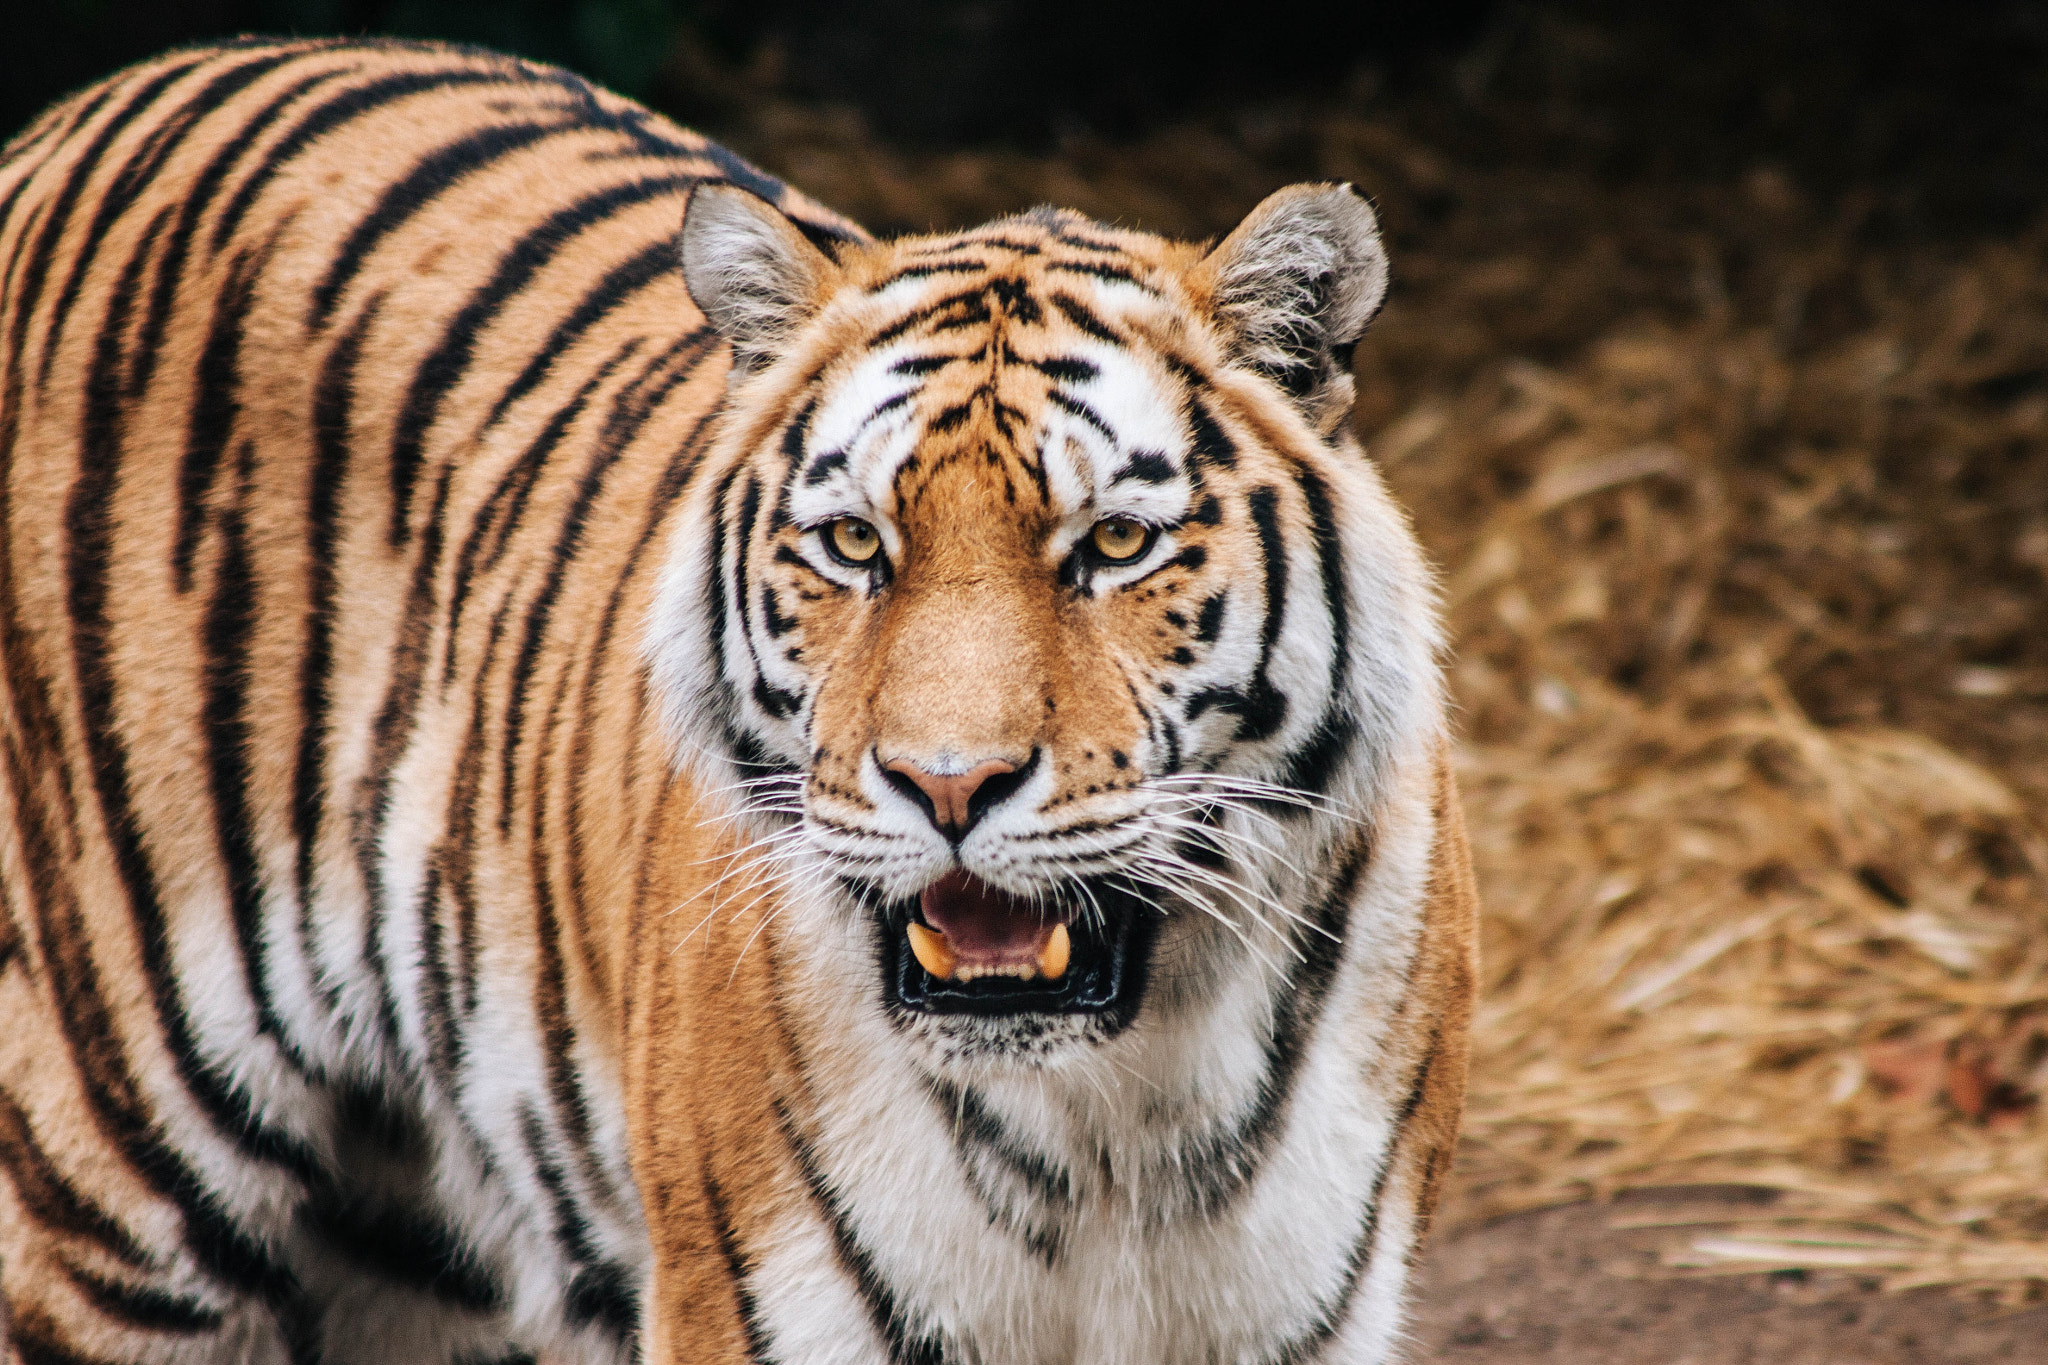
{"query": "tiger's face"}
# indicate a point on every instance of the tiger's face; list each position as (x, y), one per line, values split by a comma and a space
(1036, 605)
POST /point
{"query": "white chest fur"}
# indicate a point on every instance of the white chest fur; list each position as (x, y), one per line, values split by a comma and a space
(1213, 1184)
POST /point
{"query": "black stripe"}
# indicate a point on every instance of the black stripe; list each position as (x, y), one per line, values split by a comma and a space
(1147, 466)
(390, 735)
(215, 405)
(737, 1270)
(502, 511)
(406, 1246)
(227, 638)
(773, 700)
(1081, 410)
(139, 1306)
(349, 105)
(333, 415)
(1084, 318)
(600, 1291)
(1330, 1316)
(919, 272)
(1312, 766)
(29, 293)
(654, 262)
(1259, 707)
(970, 299)
(1210, 445)
(540, 611)
(445, 366)
(906, 1345)
(432, 175)
(50, 1200)
(90, 557)
(138, 175)
(1101, 270)
(1225, 1163)
(195, 200)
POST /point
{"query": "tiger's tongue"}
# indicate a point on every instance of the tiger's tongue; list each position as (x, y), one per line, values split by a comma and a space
(987, 928)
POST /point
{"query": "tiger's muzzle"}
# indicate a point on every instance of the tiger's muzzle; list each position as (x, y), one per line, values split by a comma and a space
(963, 946)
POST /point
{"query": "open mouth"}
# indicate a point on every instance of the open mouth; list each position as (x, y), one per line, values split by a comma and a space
(966, 947)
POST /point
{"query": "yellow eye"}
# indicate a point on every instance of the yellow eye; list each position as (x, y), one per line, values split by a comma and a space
(853, 540)
(1119, 538)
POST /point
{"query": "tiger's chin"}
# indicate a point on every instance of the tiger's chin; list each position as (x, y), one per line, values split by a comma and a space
(984, 975)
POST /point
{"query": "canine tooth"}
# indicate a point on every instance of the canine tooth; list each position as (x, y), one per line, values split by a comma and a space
(933, 953)
(1052, 958)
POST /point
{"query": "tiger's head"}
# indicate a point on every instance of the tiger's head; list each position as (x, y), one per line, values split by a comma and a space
(1036, 608)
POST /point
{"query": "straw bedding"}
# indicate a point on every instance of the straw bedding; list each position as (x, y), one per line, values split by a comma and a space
(1741, 504)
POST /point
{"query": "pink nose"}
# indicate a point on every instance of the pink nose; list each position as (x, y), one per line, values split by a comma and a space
(948, 800)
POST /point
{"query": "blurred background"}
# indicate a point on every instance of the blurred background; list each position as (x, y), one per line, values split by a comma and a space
(1716, 375)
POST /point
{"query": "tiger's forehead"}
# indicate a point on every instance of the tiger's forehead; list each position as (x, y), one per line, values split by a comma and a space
(1039, 350)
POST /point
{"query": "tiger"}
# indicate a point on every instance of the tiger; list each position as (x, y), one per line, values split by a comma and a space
(601, 766)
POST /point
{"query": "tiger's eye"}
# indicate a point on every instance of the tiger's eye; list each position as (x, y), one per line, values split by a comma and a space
(853, 540)
(1119, 538)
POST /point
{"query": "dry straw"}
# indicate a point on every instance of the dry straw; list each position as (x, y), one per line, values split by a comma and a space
(1743, 514)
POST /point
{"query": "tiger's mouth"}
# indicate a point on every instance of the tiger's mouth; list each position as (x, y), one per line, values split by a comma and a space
(965, 947)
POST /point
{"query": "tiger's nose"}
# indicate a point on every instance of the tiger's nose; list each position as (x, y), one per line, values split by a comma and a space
(956, 802)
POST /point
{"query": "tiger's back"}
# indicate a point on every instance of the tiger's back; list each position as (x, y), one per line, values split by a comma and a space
(282, 453)
(405, 613)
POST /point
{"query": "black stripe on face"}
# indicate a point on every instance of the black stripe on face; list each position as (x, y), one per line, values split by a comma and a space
(1259, 707)
(1315, 763)
(1077, 408)
(1084, 318)
(920, 272)
(905, 1344)
(448, 363)
(1211, 444)
(432, 175)
(1147, 466)
(777, 703)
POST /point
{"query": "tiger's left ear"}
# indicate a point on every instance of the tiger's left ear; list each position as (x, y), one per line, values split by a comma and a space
(1293, 288)
(756, 276)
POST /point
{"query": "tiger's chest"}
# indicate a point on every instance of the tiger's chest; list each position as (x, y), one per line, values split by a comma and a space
(1161, 1206)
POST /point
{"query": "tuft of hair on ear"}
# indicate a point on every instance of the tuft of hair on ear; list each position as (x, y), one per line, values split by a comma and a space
(755, 275)
(1293, 287)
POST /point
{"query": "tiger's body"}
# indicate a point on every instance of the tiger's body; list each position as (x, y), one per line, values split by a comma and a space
(455, 806)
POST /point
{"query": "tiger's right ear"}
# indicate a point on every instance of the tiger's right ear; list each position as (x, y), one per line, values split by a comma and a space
(755, 276)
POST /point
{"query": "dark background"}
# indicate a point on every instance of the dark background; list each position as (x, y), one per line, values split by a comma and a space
(1943, 107)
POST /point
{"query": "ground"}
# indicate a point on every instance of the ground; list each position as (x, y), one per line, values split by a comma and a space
(1561, 1285)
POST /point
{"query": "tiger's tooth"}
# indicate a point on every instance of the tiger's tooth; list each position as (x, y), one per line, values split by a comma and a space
(1052, 958)
(932, 951)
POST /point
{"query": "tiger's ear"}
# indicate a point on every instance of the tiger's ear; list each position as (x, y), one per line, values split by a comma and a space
(1293, 287)
(756, 277)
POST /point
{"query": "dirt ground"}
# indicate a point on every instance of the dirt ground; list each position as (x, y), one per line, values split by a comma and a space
(1563, 1285)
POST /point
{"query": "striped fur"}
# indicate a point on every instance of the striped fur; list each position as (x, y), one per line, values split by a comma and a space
(443, 841)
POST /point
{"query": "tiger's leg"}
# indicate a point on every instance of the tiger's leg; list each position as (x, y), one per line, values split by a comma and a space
(95, 1264)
